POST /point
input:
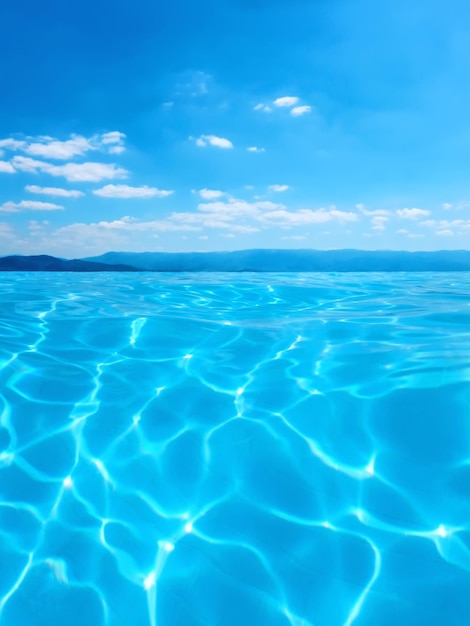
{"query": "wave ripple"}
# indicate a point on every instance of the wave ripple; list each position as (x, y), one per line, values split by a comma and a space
(217, 450)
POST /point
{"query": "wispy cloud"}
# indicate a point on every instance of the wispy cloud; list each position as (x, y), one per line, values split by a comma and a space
(298, 111)
(12, 144)
(262, 107)
(378, 223)
(286, 101)
(278, 188)
(73, 172)
(54, 191)
(255, 149)
(372, 213)
(283, 217)
(126, 192)
(193, 84)
(412, 214)
(114, 141)
(62, 150)
(29, 205)
(406, 233)
(210, 194)
(6, 168)
(213, 140)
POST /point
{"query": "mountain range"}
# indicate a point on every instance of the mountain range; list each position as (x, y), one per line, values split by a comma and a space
(249, 261)
(45, 263)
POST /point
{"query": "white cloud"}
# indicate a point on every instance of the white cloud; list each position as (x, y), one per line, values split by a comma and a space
(125, 191)
(255, 149)
(113, 141)
(76, 145)
(298, 111)
(262, 107)
(374, 213)
(210, 194)
(116, 150)
(73, 172)
(306, 216)
(378, 223)
(286, 101)
(112, 137)
(54, 191)
(61, 150)
(213, 140)
(26, 164)
(447, 205)
(6, 168)
(125, 225)
(87, 172)
(412, 214)
(406, 233)
(249, 215)
(12, 144)
(233, 208)
(29, 205)
(446, 228)
(278, 188)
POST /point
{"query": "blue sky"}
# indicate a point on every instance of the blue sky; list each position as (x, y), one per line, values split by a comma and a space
(234, 124)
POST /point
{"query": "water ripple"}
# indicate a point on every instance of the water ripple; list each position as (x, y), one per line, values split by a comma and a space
(217, 450)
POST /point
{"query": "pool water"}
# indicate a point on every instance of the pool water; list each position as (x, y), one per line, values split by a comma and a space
(234, 450)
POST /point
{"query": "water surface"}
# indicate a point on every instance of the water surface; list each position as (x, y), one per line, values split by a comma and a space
(227, 450)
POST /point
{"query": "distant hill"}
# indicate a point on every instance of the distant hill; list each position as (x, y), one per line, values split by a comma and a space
(45, 263)
(292, 261)
(248, 261)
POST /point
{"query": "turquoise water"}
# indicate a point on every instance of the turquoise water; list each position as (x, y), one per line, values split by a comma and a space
(235, 450)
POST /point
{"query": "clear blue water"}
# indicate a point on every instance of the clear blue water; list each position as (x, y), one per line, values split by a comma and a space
(234, 450)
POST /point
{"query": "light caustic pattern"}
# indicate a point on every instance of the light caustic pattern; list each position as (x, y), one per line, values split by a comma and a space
(226, 450)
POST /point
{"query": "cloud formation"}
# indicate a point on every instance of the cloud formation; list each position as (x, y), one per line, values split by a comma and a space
(298, 111)
(62, 150)
(210, 194)
(286, 101)
(278, 188)
(54, 191)
(412, 214)
(213, 140)
(262, 107)
(29, 205)
(378, 223)
(126, 192)
(6, 168)
(73, 172)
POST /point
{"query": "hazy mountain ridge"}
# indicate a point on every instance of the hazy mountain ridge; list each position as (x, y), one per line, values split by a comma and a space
(248, 261)
(292, 261)
(46, 263)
